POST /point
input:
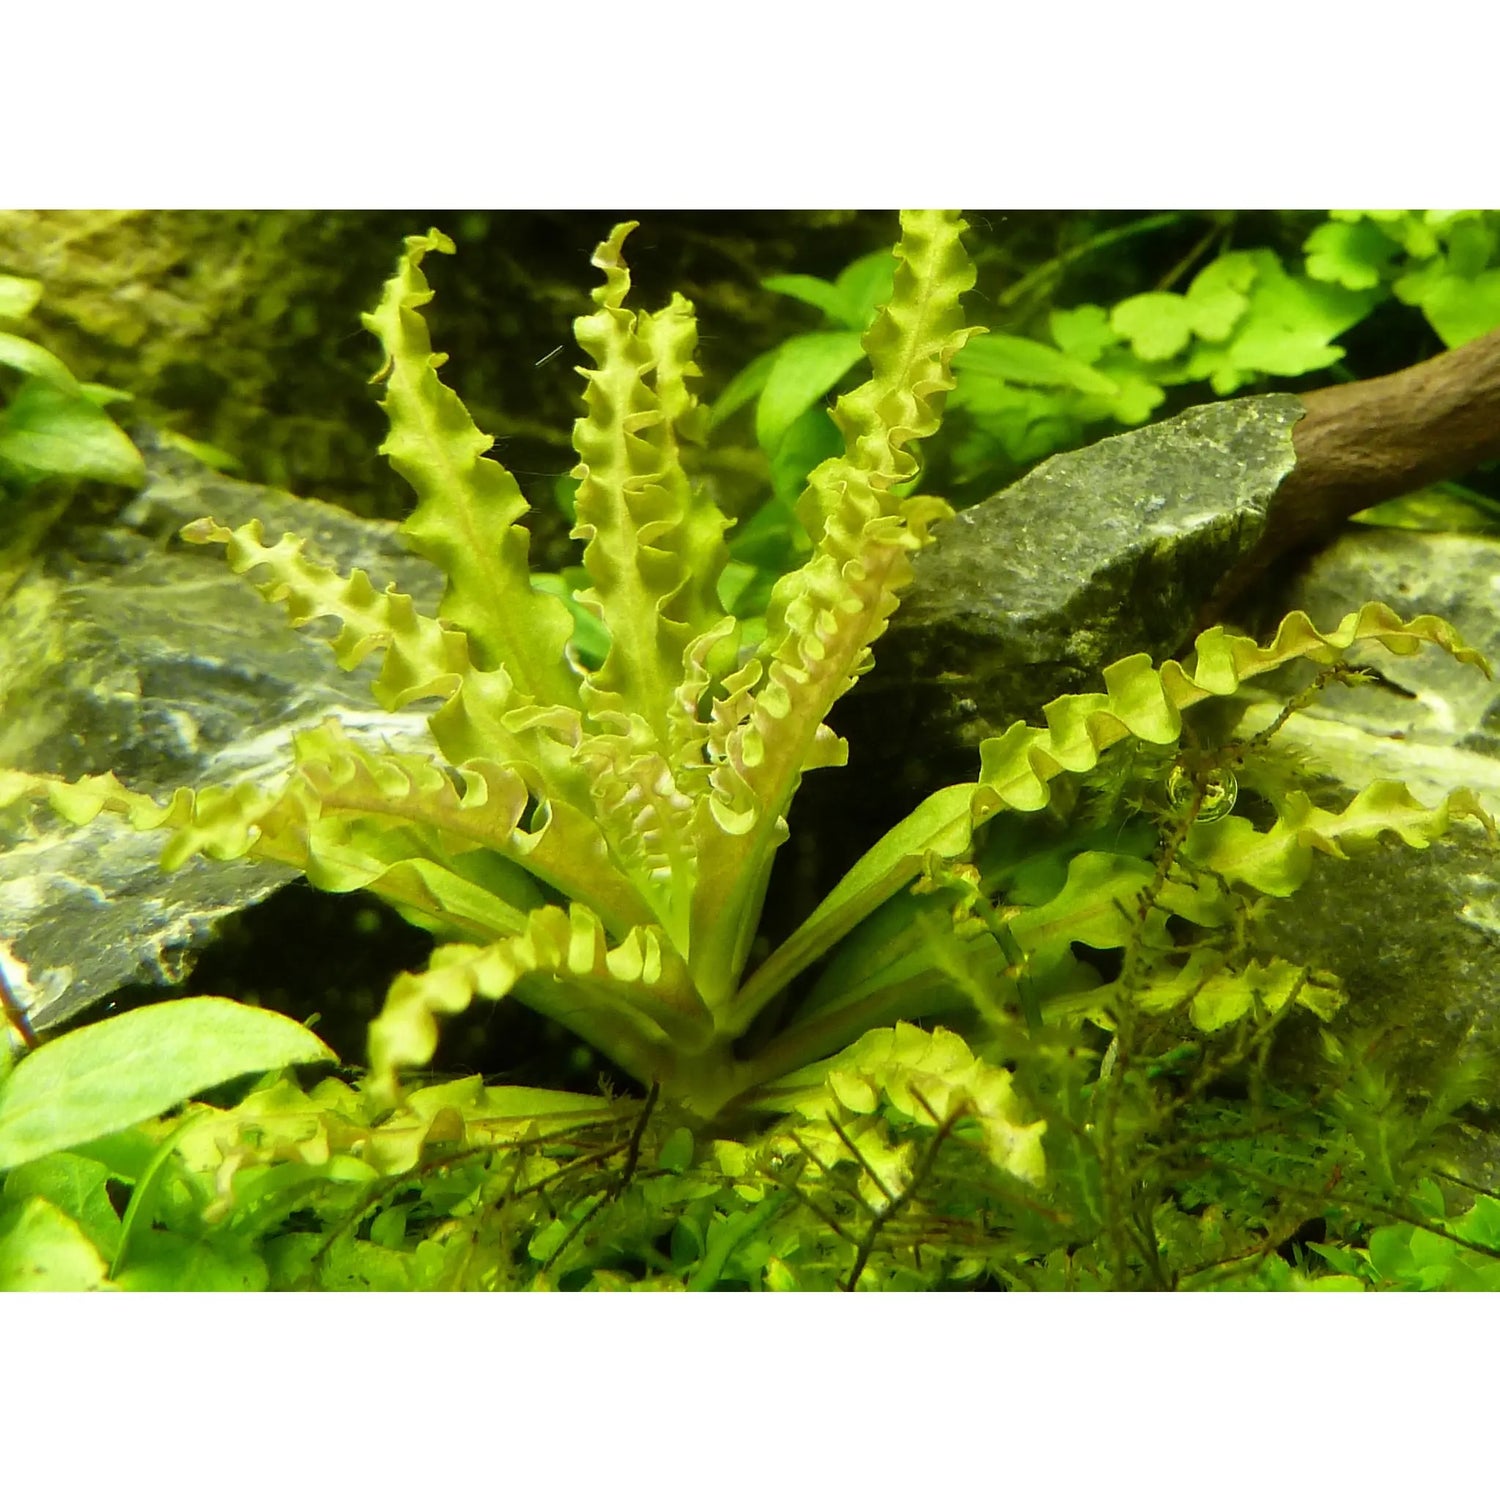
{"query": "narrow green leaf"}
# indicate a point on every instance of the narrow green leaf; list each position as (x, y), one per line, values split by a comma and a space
(806, 369)
(743, 387)
(116, 1073)
(1006, 357)
(816, 292)
(31, 359)
(867, 284)
(940, 824)
(468, 505)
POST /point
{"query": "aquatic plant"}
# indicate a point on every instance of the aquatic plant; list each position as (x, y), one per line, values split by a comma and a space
(597, 840)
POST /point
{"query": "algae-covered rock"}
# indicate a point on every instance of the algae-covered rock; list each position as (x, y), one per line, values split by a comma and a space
(242, 329)
(1093, 555)
(126, 650)
(1414, 933)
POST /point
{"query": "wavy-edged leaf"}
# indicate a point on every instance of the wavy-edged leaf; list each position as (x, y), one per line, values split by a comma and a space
(920, 1074)
(654, 547)
(478, 805)
(1141, 701)
(120, 1071)
(423, 659)
(633, 1001)
(481, 714)
(467, 505)
(823, 617)
(1278, 861)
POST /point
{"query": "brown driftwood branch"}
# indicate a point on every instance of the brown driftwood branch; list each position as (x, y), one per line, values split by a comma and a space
(1372, 440)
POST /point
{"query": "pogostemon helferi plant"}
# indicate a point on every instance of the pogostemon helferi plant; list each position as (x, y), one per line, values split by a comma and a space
(598, 842)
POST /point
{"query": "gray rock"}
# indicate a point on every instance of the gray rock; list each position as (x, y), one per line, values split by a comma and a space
(1113, 550)
(1414, 933)
(126, 650)
(1093, 555)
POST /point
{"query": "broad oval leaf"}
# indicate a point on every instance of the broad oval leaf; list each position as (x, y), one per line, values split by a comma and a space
(43, 1250)
(50, 429)
(116, 1073)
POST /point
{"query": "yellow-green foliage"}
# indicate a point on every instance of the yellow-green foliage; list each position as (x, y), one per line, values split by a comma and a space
(598, 842)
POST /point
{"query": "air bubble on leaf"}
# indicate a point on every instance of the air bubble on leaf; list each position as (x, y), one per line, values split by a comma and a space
(1220, 788)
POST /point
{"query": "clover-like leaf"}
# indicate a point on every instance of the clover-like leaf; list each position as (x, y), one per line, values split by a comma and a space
(1159, 325)
(1349, 255)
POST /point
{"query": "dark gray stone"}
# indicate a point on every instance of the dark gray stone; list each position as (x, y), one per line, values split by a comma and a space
(124, 649)
(1093, 555)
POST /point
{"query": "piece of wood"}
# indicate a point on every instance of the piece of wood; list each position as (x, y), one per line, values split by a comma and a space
(1373, 440)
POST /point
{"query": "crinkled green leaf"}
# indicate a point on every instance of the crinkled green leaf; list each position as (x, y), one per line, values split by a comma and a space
(769, 726)
(482, 713)
(1096, 906)
(117, 1072)
(627, 998)
(654, 543)
(423, 658)
(922, 1074)
(468, 506)
(1140, 701)
(1277, 861)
